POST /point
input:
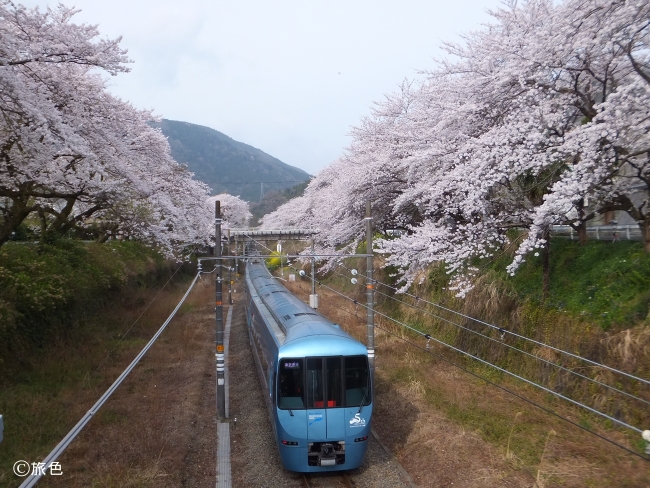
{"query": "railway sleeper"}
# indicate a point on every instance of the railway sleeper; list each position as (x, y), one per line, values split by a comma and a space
(326, 453)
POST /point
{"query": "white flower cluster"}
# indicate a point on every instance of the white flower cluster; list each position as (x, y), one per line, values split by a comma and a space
(541, 118)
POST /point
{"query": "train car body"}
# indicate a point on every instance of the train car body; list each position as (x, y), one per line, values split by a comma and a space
(315, 377)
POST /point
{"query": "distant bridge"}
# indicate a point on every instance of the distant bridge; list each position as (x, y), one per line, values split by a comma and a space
(269, 235)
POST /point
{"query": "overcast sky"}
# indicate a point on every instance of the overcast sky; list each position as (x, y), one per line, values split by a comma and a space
(287, 76)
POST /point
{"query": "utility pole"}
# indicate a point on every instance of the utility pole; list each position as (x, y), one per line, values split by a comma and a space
(313, 298)
(369, 291)
(230, 263)
(236, 254)
(220, 355)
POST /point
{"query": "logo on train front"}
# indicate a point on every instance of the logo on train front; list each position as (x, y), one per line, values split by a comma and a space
(316, 417)
(357, 421)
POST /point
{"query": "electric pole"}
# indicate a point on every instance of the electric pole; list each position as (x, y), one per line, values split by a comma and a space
(313, 298)
(230, 266)
(220, 355)
(369, 291)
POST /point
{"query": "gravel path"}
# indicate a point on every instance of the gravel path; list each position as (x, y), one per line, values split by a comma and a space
(255, 458)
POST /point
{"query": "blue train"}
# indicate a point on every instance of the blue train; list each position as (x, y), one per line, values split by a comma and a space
(316, 378)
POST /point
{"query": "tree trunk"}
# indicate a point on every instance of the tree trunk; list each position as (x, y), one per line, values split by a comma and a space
(546, 266)
(582, 233)
(17, 213)
(61, 218)
(72, 223)
(41, 216)
(582, 224)
(645, 234)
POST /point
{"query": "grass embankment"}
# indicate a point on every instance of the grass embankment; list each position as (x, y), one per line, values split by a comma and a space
(604, 283)
(597, 308)
(65, 310)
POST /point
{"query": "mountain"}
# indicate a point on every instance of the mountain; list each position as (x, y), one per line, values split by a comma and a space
(226, 165)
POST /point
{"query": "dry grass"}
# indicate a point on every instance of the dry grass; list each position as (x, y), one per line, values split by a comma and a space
(153, 430)
(628, 346)
(543, 478)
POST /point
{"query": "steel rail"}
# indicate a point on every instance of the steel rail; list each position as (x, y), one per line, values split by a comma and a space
(342, 476)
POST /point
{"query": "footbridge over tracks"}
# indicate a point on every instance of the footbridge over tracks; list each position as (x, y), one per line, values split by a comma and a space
(234, 235)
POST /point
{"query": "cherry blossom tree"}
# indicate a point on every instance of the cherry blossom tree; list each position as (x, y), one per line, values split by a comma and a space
(540, 118)
(234, 211)
(73, 154)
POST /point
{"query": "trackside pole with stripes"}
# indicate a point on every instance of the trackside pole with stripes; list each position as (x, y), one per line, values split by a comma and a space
(231, 264)
(369, 291)
(313, 298)
(221, 390)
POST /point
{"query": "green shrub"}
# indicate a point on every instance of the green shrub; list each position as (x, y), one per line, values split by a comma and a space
(607, 283)
(45, 290)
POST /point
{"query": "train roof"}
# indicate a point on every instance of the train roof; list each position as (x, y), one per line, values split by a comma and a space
(300, 323)
(315, 339)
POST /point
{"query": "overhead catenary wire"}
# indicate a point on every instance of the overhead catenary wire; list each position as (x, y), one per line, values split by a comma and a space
(525, 380)
(510, 392)
(509, 346)
(503, 331)
(122, 336)
(506, 331)
(521, 397)
(532, 383)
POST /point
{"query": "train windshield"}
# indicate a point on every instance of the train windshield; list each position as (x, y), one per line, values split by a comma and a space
(323, 382)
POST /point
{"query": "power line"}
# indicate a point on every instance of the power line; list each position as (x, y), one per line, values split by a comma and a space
(136, 321)
(500, 342)
(61, 446)
(532, 383)
(541, 407)
(525, 380)
(496, 384)
(506, 331)
(502, 331)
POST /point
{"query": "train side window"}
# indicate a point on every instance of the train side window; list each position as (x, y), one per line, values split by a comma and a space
(315, 397)
(357, 381)
(334, 378)
(290, 384)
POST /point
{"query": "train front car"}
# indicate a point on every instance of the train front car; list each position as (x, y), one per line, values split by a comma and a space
(324, 402)
(319, 385)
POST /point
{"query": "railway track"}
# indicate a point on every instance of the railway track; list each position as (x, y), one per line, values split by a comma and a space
(253, 433)
(327, 480)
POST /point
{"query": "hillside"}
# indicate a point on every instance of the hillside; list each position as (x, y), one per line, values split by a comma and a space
(227, 165)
